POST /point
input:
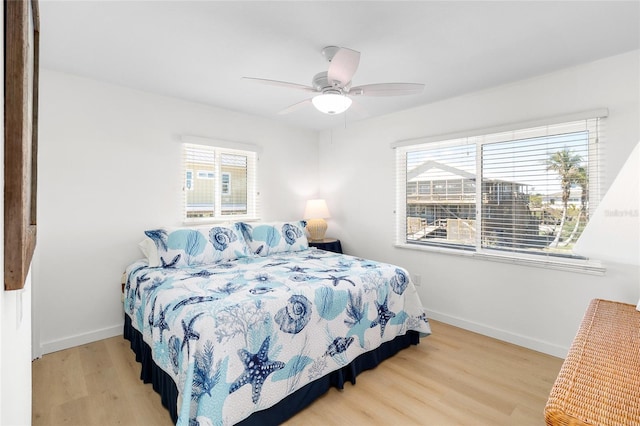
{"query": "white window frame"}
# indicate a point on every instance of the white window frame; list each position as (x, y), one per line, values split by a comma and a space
(590, 266)
(221, 147)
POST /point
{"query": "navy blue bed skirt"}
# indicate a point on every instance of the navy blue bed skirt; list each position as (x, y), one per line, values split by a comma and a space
(290, 405)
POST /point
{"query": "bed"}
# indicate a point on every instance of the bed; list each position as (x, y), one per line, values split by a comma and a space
(246, 324)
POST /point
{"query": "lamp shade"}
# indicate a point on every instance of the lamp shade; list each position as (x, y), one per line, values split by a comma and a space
(316, 212)
(331, 103)
(316, 209)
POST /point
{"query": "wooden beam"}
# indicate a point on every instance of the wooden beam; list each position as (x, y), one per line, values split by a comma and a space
(20, 139)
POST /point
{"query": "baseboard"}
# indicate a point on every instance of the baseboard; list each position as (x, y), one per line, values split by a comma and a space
(80, 339)
(506, 336)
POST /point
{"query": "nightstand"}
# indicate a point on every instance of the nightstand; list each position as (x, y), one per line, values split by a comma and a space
(328, 244)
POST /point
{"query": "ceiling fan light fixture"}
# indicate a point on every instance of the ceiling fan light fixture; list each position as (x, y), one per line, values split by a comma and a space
(332, 86)
(331, 103)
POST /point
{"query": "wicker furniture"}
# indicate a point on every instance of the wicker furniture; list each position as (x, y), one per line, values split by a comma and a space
(599, 382)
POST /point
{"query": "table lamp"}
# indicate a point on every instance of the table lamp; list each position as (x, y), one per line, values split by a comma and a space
(315, 213)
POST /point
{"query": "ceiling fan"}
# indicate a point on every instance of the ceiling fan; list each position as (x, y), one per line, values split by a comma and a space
(333, 87)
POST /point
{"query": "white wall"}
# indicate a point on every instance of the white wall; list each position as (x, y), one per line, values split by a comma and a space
(109, 168)
(15, 355)
(533, 307)
(15, 326)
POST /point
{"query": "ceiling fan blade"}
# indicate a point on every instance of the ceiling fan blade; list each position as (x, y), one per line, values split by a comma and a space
(358, 110)
(343, 66)
(387, 89)
(295, 107)
(281, 84)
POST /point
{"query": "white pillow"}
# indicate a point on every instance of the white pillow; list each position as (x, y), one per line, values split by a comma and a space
(150, 251)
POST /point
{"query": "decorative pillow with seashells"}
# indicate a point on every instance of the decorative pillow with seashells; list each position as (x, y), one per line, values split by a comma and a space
(184, 247)
(264, 239)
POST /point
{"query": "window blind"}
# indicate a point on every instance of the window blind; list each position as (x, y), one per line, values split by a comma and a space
(524, 193)
(440, 193)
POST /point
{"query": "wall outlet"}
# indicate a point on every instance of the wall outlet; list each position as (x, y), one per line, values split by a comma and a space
(417, 280)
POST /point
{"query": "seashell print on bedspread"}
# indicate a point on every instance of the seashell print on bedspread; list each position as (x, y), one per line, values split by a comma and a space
(238, 336)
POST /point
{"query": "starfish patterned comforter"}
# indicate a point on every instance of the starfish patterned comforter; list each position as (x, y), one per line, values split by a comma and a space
(238, 336)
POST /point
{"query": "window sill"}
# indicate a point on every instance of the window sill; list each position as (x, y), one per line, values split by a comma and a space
(571, 265)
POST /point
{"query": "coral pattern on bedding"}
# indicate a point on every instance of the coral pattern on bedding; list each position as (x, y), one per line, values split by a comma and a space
(238, 336)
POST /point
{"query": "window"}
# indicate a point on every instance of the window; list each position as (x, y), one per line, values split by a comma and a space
(524, 193)
(210, 195)
(226, 183)
(188, 180)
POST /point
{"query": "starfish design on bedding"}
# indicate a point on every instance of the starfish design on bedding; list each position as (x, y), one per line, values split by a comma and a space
(160, 322)
(296, 268)
(274, 264)
(140, 280)
(312, 257)
(189, 333)
(200, 274)
(171, 264)
(257, 368)
(384, 315)
(336, 280)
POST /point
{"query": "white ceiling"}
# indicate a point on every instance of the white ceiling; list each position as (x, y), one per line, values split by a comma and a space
(199, 51)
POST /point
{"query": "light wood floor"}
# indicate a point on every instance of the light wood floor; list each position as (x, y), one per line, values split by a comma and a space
(453, 377)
